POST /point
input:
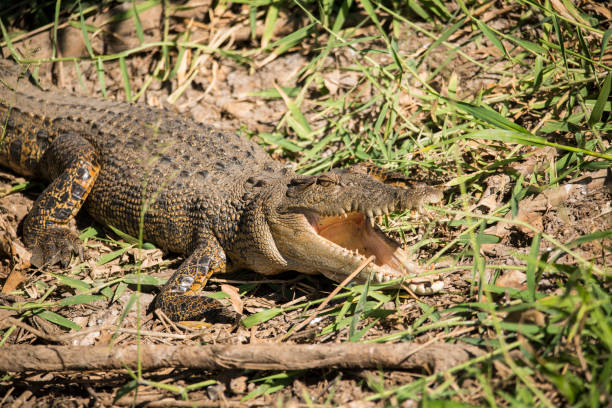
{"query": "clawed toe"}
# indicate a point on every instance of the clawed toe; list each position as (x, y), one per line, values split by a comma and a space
(55, 246)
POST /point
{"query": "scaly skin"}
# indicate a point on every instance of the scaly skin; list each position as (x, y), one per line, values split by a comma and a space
(212, 196)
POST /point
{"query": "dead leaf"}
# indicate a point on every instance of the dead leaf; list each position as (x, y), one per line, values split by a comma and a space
(556, 196)
(595, 181)
(533, 316)
(4, 316)
(603, 10)
(497, 186)
(502, 370)
(536, 161)
(530, 212)
(14, 279)
(148, 257)
(496, 250)
(7, 235)
(331, 81)
(569, 13)
(491, 202)
(235, 300)
(512, 279)
(11, 247)
(6, 246)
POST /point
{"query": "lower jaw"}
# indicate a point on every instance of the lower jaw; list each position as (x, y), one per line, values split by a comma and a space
(354, 233)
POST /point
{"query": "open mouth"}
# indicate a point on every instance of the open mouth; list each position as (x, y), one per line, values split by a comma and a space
(336, 245)
(354, 233)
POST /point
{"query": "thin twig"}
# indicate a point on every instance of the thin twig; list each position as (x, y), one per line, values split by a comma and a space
(329, 298)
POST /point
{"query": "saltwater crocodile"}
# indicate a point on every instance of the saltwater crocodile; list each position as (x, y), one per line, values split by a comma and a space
(213, 196)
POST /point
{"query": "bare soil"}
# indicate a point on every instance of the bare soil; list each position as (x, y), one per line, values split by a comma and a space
(222, 94)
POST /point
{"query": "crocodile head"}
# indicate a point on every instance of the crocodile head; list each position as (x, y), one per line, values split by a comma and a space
(326, 224)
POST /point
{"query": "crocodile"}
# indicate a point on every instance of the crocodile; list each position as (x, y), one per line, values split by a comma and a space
(213, 196)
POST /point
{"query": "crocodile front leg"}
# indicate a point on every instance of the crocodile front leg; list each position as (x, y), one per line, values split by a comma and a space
(72, 164)
(180, 298)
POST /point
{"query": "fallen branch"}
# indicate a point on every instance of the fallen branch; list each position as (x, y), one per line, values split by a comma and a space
(435, 357)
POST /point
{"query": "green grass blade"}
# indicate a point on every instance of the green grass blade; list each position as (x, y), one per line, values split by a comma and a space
(120, 290)
(442, 38)
(296, 119)
(101, 78)
(538, 73)
(492, 37)
(490, 116)
(369, 9)
(126, 79)
(604, 42)
(594, 236)
(79, 75)
(59, 320)
(532, 266)
(602, 99)
(354, 335)
(58, 6)
(137, 23)
(80, 299)
(133, 279)
(84, 30)
(509, 136)
(260, 317)
(129, 305)
(270, 23)
(9, 43)
(276, 139)
(561, 44)
(106, 258)
(418, 10)
(341, 17)
(253, 21)
(77, 284)
(534, 48)
(291, 40)
(125, 389)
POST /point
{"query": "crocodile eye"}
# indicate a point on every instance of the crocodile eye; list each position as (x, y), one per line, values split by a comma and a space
(301, 182)
(298, 185)
(326, 181)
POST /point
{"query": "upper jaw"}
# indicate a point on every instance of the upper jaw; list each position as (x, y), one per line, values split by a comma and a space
(355, 193)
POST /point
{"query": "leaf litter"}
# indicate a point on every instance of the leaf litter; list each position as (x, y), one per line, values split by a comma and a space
(227, 92)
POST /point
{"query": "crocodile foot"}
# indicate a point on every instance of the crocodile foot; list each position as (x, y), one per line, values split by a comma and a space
(53, 246)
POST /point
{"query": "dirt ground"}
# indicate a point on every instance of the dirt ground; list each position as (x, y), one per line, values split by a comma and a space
(223, 94)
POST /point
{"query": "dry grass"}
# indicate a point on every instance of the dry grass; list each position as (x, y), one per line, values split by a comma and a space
(507, 102)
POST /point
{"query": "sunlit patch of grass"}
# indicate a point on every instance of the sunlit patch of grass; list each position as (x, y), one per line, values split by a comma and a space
(551, 88)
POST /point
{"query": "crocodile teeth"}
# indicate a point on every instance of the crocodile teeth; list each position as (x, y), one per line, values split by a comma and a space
(426, 288)
(370, 213)
(378, 212)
